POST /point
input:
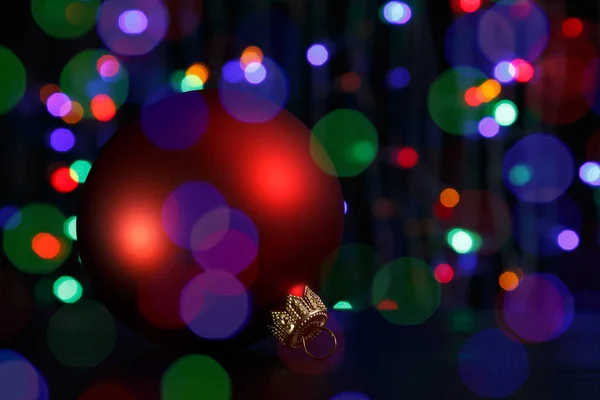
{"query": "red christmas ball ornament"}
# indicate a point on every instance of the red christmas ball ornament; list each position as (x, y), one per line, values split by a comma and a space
(198, 219)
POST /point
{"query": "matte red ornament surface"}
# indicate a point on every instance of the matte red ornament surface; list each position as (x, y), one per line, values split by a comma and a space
(262, 169)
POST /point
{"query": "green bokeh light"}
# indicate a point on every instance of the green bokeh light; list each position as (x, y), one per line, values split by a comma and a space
(65, 19)
(520, 174)
(342, 305)
(70, 227)
(409, 284)
(190, 83)
(447, 105)
(82, 169)
(13, 80)
(36, 218)
(67, 289)
(346, 275)
(82, 335)
(81, 73)
(195, 377)
(344, 143)
(463, 241)
(505, 113)
(177, 78)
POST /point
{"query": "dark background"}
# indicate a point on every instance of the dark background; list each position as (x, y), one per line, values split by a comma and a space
(380, 360)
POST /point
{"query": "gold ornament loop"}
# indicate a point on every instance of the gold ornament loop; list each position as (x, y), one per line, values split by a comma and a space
(303, 319)
(331, 352)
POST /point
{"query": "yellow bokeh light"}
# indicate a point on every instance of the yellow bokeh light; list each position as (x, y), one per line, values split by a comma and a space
(200, 70)
(488, 90)
(75, 115)
(449, 197)
(251, 54)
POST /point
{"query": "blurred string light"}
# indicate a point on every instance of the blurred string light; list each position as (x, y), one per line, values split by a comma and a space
(463, 241)
(132, 31)
(396, 13)
(348, 138)
(67, 289)
(351, 395)
(65, 19)
(589, 173)
(80, 170)
(568, 240)
(449, 197)
(572, 27)
(505, 113)
(406, 157)
(63, 180)
(62, 140)
(488, 127)
(508, 281)
(443, 273)
(469, 6)
(97, 81)
(317, 55)
(70, 227)
(398, 78)
(251, 55)
(342, 305)
(20, 379)
(255, 73)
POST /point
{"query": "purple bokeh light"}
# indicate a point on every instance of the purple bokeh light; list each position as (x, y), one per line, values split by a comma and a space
(62, 140)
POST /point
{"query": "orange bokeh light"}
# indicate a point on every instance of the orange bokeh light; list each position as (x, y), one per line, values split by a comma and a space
(508, 281)
(75, 115)
(200, 70)
(488, 91)
(449, 197)
(251, 54)
(45, 246)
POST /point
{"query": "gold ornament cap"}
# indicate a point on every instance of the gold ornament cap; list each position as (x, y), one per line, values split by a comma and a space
(301, 322)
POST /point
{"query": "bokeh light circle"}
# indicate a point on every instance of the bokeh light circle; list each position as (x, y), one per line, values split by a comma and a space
(62, 140)
(65, 19)
(541, 308)
(348, 139)
(195, 377)
(350, 396)
(19, 379)
(491, 365)
(547, 168)
(273, 88)
(231, 248)
(485, 214)
(82, 82)
(36, 219)
(13, 80)
(82, 335)
(538, 226)
(121, 25)
(447, 105)
(215, 305)
(405, 292)
(503, 34)
(186, 204)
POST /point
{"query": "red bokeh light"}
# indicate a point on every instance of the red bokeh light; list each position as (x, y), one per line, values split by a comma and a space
(443, 273)
(407, 157)
(523, 70)
(572, 27)
(471, 97)
(469, 6)
(103, 108)
(62, 180)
